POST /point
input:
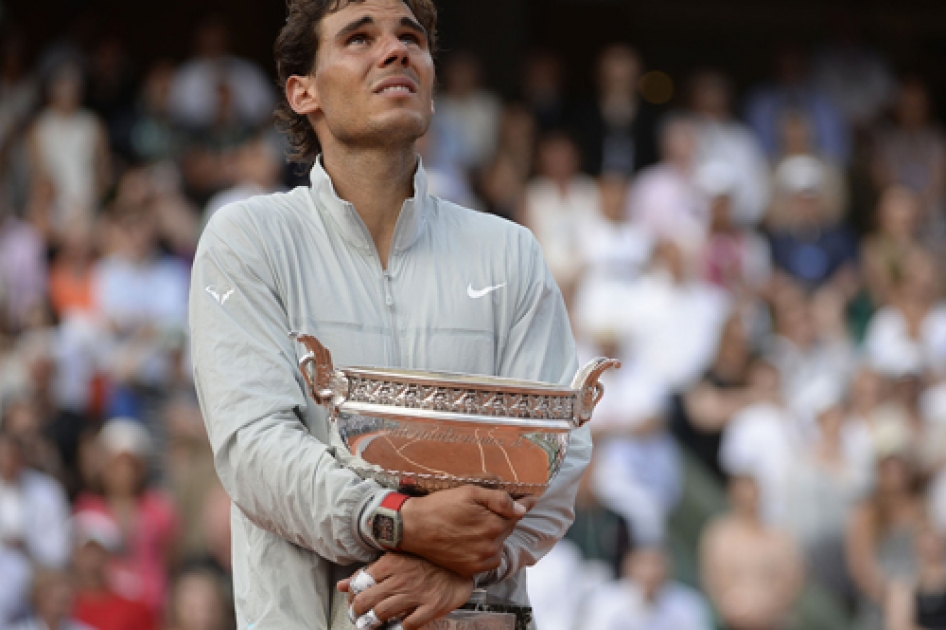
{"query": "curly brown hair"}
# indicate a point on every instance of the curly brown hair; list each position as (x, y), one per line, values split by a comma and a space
(295, 51)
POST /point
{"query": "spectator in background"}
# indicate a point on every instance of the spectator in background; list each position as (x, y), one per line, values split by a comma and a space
(22, 269)
(215, 83)
(795, 139)
(911, 152)
(765, 438)
(881, 530)
(673, 322)
(885, 251)
(793, 89)
(518, 131)
(199, 602)
(33, 507)
(908, 337)
(735, 258)
(723, 139)
(810, 347)
(665, 199)
(702, 412)
(257, 168)
(142, 295)
(824, 484)
(144, 516)
(53, 597)
(920, 603)
(154, 135)
(808, 243)
(19, 95)
(96, 539)
(617, 131)
(751, 571)
(615, 252)
(17, 575)
(558, 201)
(467, 111)
(113, 84)
(543, 88)
(646, 599)
(853, 75)
(69, 158)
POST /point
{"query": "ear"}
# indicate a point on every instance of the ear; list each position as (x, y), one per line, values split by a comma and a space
(302, 95)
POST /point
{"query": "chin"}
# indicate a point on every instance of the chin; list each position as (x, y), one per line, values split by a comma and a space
(399, 128)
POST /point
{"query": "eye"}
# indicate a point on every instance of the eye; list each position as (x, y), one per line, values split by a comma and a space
(410, 38)
(357, 39)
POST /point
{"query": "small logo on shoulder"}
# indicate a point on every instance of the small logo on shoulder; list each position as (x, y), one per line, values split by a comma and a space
(478, 293)
(215, 294)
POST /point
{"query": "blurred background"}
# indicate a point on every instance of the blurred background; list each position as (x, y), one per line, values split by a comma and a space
(743, 201)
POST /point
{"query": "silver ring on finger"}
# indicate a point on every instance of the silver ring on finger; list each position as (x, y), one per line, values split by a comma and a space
(368, 621)
(361, 582)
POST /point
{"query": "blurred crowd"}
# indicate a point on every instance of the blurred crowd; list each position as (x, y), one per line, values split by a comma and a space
(765, 263)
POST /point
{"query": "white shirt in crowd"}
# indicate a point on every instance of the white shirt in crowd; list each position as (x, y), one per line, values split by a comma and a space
(892, 351)
(669, 205)
(556, 219)
(764, 440)
(195, 91)
(621, 606)
(35, 510)
(734, 143)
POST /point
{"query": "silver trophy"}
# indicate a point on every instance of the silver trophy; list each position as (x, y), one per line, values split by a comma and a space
(418, 432)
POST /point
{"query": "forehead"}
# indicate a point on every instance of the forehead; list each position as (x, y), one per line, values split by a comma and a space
(379, 10)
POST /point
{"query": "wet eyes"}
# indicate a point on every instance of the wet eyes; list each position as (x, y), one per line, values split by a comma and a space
(360, 39)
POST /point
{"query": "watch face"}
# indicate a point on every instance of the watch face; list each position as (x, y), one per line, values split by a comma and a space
(382, 528)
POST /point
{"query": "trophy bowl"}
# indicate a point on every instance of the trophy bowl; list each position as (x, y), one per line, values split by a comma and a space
(419, 432)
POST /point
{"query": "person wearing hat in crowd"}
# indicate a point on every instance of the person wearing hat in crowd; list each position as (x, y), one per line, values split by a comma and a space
(144, 517)
(96, 538)
(809, 244)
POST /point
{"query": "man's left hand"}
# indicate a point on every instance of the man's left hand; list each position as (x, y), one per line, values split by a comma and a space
(411, 589)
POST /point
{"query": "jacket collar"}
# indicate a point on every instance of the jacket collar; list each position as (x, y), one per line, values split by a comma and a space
(348, 222)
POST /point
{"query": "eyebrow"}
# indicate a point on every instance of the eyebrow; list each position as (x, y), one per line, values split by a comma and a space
(367, 20)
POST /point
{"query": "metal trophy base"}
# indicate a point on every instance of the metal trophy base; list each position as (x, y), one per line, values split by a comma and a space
(485, 613)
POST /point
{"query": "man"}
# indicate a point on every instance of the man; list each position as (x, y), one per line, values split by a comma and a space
(385, 275)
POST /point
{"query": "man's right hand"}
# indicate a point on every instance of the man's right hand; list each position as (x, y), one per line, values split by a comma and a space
(462, 529)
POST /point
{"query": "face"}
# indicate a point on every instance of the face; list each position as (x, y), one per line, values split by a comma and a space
(197, 603)
(647, 568)
(898, 212)
(372, 85)
(123, 475)
(558, 158)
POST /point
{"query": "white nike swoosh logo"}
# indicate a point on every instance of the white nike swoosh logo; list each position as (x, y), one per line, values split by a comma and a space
(476, 294)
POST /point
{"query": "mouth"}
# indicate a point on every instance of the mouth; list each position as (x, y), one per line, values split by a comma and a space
(397, 86)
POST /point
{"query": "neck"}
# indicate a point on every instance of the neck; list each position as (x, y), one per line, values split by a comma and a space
(376, 182)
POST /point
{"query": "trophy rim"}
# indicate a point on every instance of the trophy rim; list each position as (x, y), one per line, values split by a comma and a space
(459, 380)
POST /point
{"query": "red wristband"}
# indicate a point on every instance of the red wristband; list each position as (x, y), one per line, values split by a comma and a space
(394, 501)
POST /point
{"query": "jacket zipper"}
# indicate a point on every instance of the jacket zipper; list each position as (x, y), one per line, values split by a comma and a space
(387, 280)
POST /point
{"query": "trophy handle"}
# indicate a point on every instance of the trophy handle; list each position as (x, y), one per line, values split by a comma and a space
(589, 389)
(317, 370)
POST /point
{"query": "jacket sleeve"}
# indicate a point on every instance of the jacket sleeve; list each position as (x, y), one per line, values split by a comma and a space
(253, 399)
(540, 346)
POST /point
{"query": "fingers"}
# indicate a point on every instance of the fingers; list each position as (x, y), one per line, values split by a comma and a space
(421, 616)
(528, 502)
(342, 585)
(500, 503)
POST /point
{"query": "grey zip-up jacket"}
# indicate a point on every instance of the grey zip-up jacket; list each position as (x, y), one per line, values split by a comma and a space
(304, 261)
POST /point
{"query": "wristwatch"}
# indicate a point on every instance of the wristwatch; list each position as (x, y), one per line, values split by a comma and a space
(385, 524)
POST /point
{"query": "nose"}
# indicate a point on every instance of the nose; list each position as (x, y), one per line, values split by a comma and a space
(395, 52)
